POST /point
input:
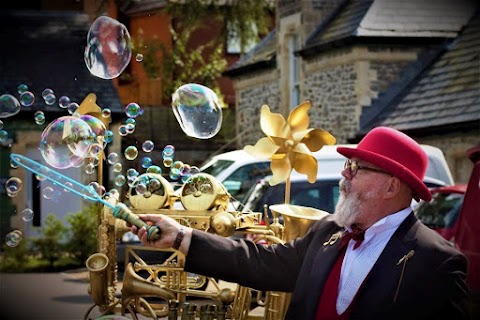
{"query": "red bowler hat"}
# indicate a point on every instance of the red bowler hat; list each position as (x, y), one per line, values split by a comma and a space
(396, 153)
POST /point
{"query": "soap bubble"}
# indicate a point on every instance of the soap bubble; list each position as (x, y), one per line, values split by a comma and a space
(197, 110)
(117, 167)
(108, 49)
(46, 92)
(130, 120)
(47, 193)
(120, 180)
(1, 124)
(154, 169)
(132, 110)
(9, 106)
(122, 130)
(112, 158)
(108, 136)
(146, 162)
(27, 215)
(72, 107)
(148, 146)
(66, 141)
(63, 102)
(131, 152)
(22, 88)
(132, 173)
(168, 151)
(106, 112)
(27, 99)
(13, 185)
(12, 239)
(50, 99)
(139, 57)
(167, 161)
(39, 117)
(3, 135)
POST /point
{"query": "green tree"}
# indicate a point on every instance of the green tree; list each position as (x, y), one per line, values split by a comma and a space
(50, 243)
(82, 234)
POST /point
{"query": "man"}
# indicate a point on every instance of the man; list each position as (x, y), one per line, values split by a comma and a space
(371, 259)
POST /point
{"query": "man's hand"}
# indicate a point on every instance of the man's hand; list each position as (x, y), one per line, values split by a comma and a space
(169, 227)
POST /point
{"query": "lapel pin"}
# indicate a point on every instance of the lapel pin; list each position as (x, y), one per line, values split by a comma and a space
(333, 239)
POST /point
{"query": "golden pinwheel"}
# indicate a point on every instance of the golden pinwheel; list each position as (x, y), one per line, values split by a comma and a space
(289, 144)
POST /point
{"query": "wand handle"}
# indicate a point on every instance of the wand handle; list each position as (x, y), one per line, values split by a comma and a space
(121, 211)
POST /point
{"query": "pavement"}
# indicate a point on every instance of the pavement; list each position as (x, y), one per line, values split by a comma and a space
(48, 296)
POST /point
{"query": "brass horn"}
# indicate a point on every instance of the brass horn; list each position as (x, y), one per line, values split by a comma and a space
(297, 219)
(135, 286)
(97, 266)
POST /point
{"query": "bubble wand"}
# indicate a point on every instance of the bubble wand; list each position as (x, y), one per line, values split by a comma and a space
(119, 211)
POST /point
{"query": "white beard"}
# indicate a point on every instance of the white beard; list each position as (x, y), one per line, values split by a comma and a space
(349, 205)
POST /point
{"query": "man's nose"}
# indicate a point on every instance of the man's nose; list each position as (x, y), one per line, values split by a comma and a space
(347, 173)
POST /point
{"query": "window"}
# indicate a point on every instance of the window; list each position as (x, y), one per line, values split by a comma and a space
(294, 70)
(241, 180)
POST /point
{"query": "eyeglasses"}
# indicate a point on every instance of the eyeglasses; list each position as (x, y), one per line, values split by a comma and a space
(353, 168)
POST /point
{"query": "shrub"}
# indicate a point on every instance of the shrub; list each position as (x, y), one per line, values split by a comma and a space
(50, 244)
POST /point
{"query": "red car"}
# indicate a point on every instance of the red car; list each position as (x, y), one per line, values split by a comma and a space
(454, 212)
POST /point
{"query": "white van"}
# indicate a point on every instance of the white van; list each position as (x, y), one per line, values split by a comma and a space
(238, 171)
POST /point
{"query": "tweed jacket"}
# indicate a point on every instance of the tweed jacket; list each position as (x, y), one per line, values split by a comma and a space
(430, 284)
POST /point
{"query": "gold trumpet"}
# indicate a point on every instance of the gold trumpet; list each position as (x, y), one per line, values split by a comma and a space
(136, 288)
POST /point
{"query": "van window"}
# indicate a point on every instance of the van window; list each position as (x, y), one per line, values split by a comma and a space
(218, 166)
(242, 179)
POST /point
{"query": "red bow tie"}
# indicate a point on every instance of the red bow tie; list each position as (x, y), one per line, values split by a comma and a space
(356, 234)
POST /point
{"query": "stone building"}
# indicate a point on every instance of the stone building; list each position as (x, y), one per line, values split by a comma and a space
(406, 64)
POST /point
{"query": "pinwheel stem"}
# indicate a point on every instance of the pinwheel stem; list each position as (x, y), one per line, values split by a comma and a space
(287, 190)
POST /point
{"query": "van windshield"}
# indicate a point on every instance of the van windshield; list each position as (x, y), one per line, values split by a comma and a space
(218, 166)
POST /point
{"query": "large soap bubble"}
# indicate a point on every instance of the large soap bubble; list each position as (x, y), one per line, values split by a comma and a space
(197, 110)
(66, 141)
(109, 48)
(9, 106)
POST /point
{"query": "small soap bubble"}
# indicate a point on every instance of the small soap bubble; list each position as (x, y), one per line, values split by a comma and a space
(141, 188)
(50, 99)
(13, 165)
(120, 180)
(194, 170)
(173, 175)
(72, 107)
(130, 128)
(3, 135)
(39, 117)
(63, 102)
(131, 153)
(47, 193)
(12, 239)
(167, 161)
(1, 124)
(130, 120)
(117, 167)
(27, 215)
(197, 110)
(132, 173)
(154, 169)
(106, 112)
(9, 106)
(90, 168)
(185, 170)
(68, 184)
(13, 185)
(112, 158)
(168, 150)
(176, 167)
(27, 99)
(132, 110)
(148, 146)
(146, 162)
(46, 92)
(108, 136)
(22, 88)
(108, 50)
(122, 130)
(139, 57)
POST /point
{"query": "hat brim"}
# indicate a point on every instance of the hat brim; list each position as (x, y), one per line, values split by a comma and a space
(419, 189)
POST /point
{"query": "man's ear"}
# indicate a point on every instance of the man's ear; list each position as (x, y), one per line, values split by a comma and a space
(393, 187)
